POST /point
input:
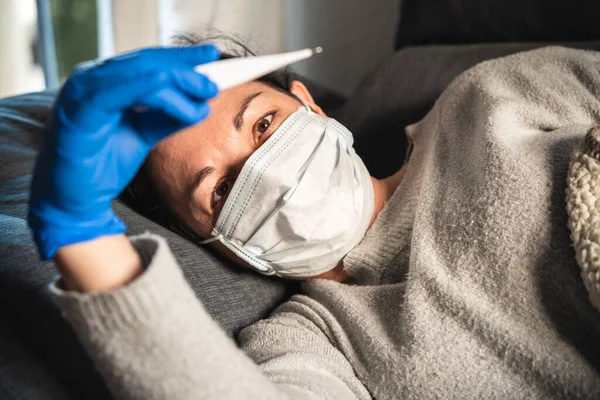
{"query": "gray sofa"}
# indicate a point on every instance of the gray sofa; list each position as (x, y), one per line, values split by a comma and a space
(40, 358)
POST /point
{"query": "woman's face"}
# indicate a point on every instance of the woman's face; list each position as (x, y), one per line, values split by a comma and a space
(196, 168)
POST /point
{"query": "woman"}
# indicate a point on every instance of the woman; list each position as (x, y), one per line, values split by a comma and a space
(464, 285)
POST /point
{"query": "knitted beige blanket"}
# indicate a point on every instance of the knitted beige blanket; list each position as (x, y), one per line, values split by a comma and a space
(583, 206)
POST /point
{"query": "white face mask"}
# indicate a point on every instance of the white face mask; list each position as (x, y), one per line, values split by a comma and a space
(302, 201)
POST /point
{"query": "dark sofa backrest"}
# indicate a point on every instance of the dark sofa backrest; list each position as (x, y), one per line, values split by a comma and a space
(486, 21)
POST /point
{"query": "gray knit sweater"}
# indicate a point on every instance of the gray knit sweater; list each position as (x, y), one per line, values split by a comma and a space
(465, 287)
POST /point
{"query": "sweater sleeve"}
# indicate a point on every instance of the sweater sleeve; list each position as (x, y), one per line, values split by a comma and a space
(153, 339)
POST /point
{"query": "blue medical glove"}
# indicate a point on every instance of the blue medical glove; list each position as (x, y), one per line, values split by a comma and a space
(105, 120)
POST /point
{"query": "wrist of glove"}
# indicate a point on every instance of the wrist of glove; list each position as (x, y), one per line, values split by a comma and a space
(54, 228)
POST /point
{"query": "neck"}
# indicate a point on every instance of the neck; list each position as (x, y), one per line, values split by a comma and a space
(383, 189)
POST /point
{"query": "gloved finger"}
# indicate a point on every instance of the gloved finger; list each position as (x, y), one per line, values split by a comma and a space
(170, 112)
(114, 96)
(87, 107)
(180, 75)
(193, 84)
(188, 55)
(141, 61)
(92, 108)
(176, 104)
(121, 95)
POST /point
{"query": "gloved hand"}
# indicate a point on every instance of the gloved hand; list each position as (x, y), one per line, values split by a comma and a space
(105, 120)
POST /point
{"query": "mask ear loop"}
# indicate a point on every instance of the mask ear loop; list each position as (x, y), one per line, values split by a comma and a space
(305, 104)
(265, 270)
(212, 239)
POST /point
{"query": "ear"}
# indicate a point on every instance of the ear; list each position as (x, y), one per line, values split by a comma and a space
(298, 88)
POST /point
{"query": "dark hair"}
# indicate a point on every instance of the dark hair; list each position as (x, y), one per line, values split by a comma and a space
(141, 194)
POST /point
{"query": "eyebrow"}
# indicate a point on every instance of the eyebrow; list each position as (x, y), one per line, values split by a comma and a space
(238, 120)
(206, 171)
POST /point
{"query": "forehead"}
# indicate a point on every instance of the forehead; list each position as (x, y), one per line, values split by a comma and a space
(230, 99)
(217, 128)
(222, 108)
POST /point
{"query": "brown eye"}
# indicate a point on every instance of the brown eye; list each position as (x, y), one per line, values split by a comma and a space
(264, 124)
(221, 190)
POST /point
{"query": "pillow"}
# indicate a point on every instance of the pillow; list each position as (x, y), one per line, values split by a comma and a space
(477, 21)
(40, 356)
(403, 88)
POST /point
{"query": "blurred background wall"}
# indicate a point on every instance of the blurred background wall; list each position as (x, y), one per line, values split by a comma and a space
(355, 34)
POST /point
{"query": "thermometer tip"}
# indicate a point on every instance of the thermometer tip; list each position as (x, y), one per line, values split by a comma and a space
(318, 50)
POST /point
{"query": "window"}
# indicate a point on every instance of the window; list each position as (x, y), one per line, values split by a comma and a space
(42, 40)
(75, 27)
